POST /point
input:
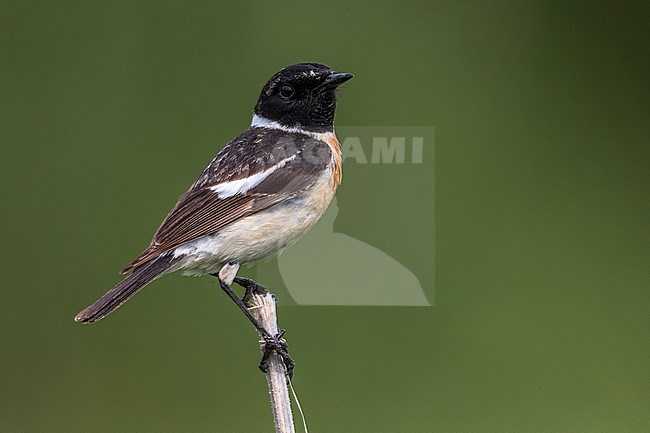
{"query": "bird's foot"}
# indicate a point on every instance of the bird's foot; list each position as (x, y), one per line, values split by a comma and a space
(252, 287)
(278, 345)
(272, 343)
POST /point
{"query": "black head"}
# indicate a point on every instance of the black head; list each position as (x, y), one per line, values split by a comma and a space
(301, 96)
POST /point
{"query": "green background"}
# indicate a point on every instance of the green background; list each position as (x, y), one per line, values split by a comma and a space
(109, 110)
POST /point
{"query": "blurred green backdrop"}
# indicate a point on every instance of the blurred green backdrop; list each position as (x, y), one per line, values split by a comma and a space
(109, 110)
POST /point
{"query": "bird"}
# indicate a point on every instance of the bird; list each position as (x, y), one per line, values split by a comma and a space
(259, 195)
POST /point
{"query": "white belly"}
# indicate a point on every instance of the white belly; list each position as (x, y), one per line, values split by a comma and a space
(260, 236)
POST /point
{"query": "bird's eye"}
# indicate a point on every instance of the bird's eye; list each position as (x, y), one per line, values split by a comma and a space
(286, 91)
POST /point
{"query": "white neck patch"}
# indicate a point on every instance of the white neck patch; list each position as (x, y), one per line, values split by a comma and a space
(263, 122)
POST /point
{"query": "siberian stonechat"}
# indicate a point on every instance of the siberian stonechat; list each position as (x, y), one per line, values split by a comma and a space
(261, 193)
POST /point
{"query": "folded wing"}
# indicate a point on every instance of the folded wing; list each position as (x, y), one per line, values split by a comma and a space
(255, 171)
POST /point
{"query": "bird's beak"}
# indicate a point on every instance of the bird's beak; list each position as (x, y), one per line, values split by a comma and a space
(336, 79)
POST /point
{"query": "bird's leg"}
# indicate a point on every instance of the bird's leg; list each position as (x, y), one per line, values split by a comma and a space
(278, 345)
(272, 343)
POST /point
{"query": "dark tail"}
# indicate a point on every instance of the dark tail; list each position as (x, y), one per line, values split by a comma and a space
(128, 287)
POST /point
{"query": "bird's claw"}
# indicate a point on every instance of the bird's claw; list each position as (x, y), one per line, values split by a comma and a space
(278, 345)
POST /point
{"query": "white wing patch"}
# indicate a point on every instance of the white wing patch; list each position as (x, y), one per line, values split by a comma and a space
(240, 186)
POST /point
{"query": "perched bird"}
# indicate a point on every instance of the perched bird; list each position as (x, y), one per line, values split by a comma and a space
(262, 192)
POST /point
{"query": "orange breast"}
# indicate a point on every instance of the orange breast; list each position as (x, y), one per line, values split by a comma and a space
(337, 172)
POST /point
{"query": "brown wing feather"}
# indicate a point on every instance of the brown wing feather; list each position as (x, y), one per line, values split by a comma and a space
(197, 215)
(201, 211)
